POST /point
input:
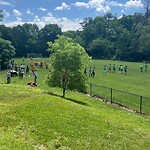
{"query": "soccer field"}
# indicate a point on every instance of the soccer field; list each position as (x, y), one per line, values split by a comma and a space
(135, 81)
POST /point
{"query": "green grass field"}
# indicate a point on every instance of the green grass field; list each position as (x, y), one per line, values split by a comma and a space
(38, 118)
(135, 82)
(35, 119)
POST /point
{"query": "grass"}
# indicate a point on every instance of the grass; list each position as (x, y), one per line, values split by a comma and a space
(135, 81)
(39, 118)
(32, 118)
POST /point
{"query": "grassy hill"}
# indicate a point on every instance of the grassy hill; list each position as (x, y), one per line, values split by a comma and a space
(32, 119)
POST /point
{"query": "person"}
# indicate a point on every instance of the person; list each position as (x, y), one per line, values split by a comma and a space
(16, 67)
(145, 66)
(35, 76)
(32, 66)
(114, 68)
(125, 70)
(104, 69)
(22, 73)
(46, 64)
(109, 68)
(93, 72)
(121, 68)
(141, 67)
(8, 77)
(27, 70)
(90, 72)
(85, 72)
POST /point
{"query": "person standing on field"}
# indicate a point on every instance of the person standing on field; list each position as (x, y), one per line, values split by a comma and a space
(8, 77)
(35, 76)
(125, 70)
(109, 68)
(114, 68)
(145, 66)
(93, 72)
(141, 67)
(104, 69)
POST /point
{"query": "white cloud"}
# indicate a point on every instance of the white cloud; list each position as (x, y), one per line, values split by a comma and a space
(18, 19)
(99, 5)
(134, 4)
(64, 6)
(36, 19)
(42, 9)
(4, 3)
(29, 12)
(16, 13)
(113, 3)
(81, 4)
(63, 23)
(6, 14)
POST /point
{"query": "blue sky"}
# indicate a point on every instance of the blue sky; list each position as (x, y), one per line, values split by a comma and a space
(66, 13)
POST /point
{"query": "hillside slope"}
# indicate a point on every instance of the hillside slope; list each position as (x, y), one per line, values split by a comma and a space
(33, 119)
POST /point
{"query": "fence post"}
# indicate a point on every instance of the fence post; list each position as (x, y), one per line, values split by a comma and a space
(140, 104)
(91, 89)
(111, 96)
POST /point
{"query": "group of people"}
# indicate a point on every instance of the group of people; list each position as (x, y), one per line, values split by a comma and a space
(144, 66)
(20, 71)
(91, 72)
(112, 69)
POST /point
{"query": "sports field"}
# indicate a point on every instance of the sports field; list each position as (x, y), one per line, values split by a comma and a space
(39, 118)
(134, 81)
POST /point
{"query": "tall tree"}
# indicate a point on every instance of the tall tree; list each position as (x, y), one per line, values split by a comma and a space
(1, 16)
(46, 34)
(25, 39)
(147, 8)
(101, 49)
(7, 51)
(67, 61)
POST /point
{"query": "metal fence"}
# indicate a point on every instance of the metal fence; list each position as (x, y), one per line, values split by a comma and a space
(132, 101)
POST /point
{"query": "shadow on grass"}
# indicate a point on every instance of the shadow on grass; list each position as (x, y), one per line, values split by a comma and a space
(69, 99)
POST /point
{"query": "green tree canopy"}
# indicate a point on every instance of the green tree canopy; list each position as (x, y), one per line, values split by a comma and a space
(1, 16)
(7, 51)
(66, 63)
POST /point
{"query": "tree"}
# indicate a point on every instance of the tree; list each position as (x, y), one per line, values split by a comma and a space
(46, 34)
(66, 63)
(147, 7)
(7, 51)
(25, 39)
(1, 16)
(101, 48)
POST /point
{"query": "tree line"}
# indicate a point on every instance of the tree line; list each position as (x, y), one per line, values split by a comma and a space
(103, 37)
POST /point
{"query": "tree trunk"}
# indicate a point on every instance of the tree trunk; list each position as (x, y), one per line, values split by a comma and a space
(64, 87)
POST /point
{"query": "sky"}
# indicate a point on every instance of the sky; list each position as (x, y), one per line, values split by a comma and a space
(67, 14)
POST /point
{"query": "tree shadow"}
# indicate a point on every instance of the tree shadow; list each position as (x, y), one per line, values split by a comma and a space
(69, 99)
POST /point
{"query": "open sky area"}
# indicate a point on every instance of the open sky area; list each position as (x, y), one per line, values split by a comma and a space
(66, 13)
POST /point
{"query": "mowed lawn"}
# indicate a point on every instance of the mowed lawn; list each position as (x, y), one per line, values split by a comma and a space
(39, 118)
(32, 118)
(135, 81)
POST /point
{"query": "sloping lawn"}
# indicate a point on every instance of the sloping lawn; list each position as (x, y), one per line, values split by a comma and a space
(31, 118)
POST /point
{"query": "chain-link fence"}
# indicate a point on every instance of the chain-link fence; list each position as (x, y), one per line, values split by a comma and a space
(133, 101)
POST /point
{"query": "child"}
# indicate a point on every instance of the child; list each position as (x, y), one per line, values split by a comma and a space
(8, 76)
